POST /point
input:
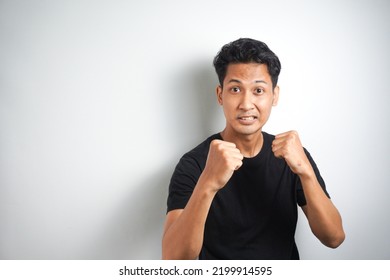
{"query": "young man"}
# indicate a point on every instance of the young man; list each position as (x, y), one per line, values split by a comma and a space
(235, 195)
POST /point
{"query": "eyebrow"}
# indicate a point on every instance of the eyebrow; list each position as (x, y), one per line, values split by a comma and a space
(239, 82)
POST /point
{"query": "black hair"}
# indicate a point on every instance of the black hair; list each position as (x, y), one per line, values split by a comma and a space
(246, 50)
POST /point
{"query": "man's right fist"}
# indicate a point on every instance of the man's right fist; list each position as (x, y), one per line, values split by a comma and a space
(222, 160)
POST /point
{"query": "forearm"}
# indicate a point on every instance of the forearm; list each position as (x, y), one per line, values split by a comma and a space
(324, 218)
(183, 238)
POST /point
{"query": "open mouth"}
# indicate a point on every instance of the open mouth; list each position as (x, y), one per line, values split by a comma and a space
(247, 118)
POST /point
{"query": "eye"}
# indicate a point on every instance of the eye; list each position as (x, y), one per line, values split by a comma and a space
(259, 91)
(235, 89)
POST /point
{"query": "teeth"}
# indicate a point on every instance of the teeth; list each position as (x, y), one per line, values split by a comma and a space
(247, 118)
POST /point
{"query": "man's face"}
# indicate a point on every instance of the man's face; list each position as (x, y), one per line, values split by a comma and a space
(247, 98)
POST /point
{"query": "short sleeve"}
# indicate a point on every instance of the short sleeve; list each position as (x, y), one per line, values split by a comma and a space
(183, 181)
(301, 200)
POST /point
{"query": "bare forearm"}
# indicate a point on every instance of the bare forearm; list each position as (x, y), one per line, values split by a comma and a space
(183, 239)
(324, 218)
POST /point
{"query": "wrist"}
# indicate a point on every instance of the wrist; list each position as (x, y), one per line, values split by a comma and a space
(207, 184)
(307, 174)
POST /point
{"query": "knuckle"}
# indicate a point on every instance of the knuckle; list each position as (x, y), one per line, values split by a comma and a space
(218, 146)
(224, 153)
(291, 138)
(216, 142)
(294, 134)
(213, 144)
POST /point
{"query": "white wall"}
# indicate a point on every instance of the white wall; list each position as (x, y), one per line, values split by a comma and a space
(99, 99)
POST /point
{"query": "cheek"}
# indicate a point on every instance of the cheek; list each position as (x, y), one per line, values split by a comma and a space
(264, 106)
(228, 110)
(263, 103)
(229, 106)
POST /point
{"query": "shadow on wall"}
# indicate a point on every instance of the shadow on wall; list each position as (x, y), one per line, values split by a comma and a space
(193, 109)
(135, 229)
(209, 112)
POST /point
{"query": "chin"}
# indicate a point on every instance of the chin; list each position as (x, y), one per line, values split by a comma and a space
(247, 131)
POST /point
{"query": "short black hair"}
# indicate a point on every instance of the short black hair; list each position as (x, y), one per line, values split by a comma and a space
(246, 50)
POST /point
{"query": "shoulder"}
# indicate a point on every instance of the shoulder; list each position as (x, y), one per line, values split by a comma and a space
(267, 142)
(188, 170)
(196, 158)
(268, 138)
(202, 149)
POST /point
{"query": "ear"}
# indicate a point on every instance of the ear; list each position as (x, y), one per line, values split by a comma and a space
(218, 92)
(276, 96)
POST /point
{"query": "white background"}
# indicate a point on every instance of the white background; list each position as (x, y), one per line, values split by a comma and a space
(99, 99)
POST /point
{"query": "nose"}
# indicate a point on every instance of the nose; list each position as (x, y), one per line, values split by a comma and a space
(246, 102)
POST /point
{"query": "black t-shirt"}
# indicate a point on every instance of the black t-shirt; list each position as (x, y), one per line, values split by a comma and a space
(255, 215)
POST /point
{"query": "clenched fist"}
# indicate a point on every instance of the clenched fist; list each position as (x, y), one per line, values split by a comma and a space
(288, 146)
(222, 160)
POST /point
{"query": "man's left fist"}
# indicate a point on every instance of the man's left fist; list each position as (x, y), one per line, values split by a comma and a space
(288, 146)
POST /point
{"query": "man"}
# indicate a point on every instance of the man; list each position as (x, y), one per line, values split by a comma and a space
(235, 195)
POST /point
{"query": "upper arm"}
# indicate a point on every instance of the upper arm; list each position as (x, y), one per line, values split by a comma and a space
(304, 209)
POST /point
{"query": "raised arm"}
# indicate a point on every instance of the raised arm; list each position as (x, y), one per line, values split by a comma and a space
(324, 218)
(184, 228)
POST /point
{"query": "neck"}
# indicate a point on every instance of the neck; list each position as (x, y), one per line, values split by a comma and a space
(249, 145)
